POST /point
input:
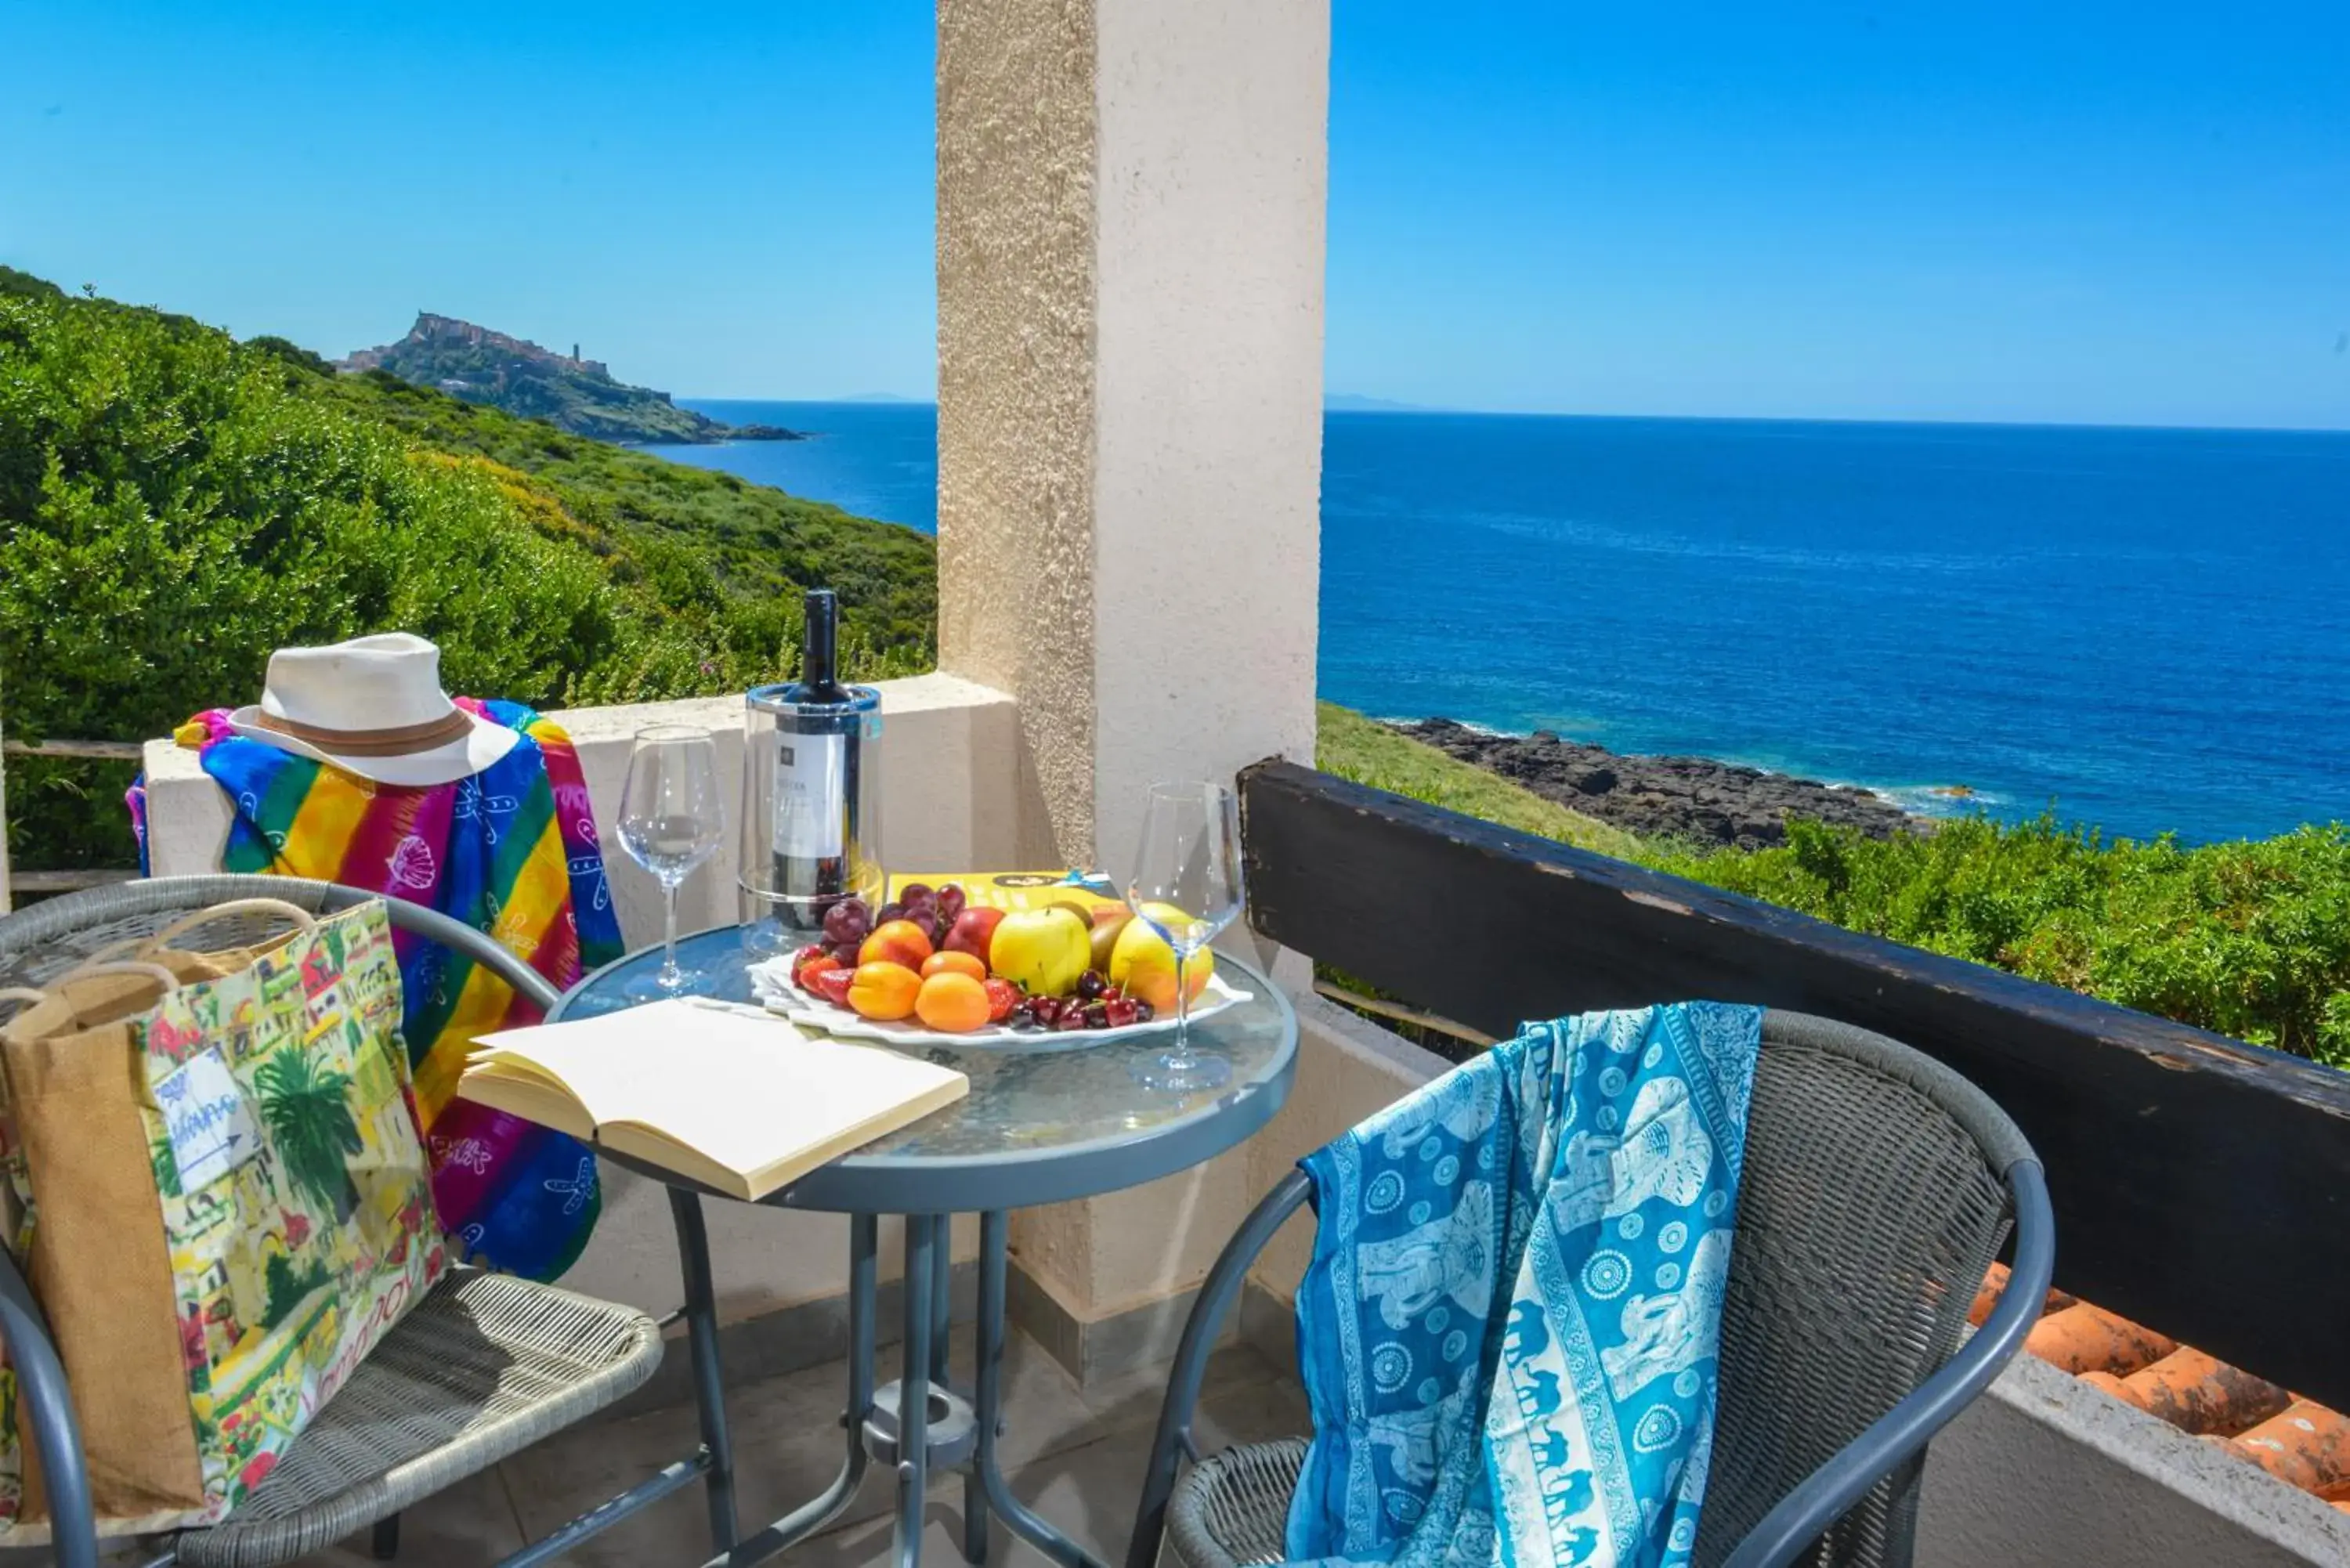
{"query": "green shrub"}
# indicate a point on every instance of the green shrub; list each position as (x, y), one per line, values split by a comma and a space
(2248, 938)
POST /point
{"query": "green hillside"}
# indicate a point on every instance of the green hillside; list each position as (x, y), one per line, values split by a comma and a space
(751, 540)
(174, 504)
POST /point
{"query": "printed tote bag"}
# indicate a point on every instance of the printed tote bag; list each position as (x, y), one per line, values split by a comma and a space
(223, 1204)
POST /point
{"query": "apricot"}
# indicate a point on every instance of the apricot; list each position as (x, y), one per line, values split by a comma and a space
(953, 963)
(899, 942)
(883, 991)
(951, 1003)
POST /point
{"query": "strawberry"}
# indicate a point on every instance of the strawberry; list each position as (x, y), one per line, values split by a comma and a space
(832, 984)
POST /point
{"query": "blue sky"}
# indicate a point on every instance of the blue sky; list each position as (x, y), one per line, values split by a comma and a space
(2084, 212)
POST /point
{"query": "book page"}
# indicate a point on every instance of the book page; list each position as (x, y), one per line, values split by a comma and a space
(738, 1085)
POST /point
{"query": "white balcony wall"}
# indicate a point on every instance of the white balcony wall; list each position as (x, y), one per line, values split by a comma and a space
(953, 798)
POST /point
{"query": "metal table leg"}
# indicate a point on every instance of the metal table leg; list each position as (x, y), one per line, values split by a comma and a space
(701, 1345)
(942, 1296)
(897, 1422)
(989, 1411)
(913, 1391)
(815, 1514)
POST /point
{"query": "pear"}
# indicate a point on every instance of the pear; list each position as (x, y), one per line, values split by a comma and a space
(1143, 965)
(1108, 924)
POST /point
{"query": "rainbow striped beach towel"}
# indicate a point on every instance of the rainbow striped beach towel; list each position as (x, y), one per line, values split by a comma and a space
(511, 851)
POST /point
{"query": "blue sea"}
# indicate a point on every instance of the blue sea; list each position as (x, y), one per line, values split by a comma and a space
(2147, 630)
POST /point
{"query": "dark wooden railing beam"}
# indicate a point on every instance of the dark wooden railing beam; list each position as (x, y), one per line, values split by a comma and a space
(2201, 1185)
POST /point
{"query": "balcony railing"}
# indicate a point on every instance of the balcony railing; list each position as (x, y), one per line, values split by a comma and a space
(2200, 1184)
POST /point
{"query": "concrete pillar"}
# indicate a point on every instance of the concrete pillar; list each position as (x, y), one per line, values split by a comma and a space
(1130, 230)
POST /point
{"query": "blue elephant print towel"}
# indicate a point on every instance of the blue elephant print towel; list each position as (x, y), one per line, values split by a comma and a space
(1510, 1326)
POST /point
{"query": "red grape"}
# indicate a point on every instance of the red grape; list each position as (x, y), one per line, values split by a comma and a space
(847, 922)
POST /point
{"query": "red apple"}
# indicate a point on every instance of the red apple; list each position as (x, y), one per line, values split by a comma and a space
(973, 930)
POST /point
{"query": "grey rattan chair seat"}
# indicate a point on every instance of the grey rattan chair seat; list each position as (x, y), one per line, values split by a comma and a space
(480, 1369)
(1871, 1202)
(1233, 1507)
(483, 1367)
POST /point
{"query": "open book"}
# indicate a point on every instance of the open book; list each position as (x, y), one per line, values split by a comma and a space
(733, 1096)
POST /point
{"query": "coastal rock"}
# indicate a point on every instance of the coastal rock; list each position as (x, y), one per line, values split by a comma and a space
(1698, 799)
(573, 393)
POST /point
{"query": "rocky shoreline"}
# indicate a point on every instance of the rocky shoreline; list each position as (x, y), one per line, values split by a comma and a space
(1698, 799)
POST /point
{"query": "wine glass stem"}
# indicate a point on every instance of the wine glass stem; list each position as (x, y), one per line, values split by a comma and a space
(672, 976)
(1182, 1052)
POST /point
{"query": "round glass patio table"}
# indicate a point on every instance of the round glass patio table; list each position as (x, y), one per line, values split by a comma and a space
(1041, 1125)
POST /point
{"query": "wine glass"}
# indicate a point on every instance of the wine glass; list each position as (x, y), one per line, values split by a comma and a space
(1186, 887)
(670, 822)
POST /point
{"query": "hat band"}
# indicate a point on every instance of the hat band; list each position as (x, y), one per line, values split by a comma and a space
(399, 742)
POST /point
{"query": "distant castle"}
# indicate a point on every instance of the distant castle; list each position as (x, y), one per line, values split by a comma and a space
(431, 329)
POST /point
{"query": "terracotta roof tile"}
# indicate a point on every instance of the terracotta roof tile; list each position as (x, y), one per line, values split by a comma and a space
(2084, 1338)
(2199, 1393)
(2307, 1445)
(2298, 1441)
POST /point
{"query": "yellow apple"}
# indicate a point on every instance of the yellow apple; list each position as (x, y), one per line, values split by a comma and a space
(1143, 966)
(1042, 949)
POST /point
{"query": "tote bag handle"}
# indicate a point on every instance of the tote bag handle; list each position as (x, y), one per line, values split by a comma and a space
(95, 967)
(302, 918)
(87, 968)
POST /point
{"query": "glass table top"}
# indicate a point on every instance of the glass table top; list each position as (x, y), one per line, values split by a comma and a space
(1039, 1125)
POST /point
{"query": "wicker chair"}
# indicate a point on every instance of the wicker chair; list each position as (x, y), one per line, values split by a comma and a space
(1877, 1187)
(483, 1366)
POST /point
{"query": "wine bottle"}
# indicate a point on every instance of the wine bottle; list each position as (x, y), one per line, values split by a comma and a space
(816, 772)
(820, 648)
(810, 818)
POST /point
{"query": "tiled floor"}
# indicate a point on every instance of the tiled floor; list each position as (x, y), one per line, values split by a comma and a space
(1074, 1454)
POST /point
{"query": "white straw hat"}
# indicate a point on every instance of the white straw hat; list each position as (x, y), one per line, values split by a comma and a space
(373, 706)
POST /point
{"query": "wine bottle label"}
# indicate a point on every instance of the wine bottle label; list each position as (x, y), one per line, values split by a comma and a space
(811, 803)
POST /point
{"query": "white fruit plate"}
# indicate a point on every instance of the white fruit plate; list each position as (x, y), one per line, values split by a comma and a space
(771, 982)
